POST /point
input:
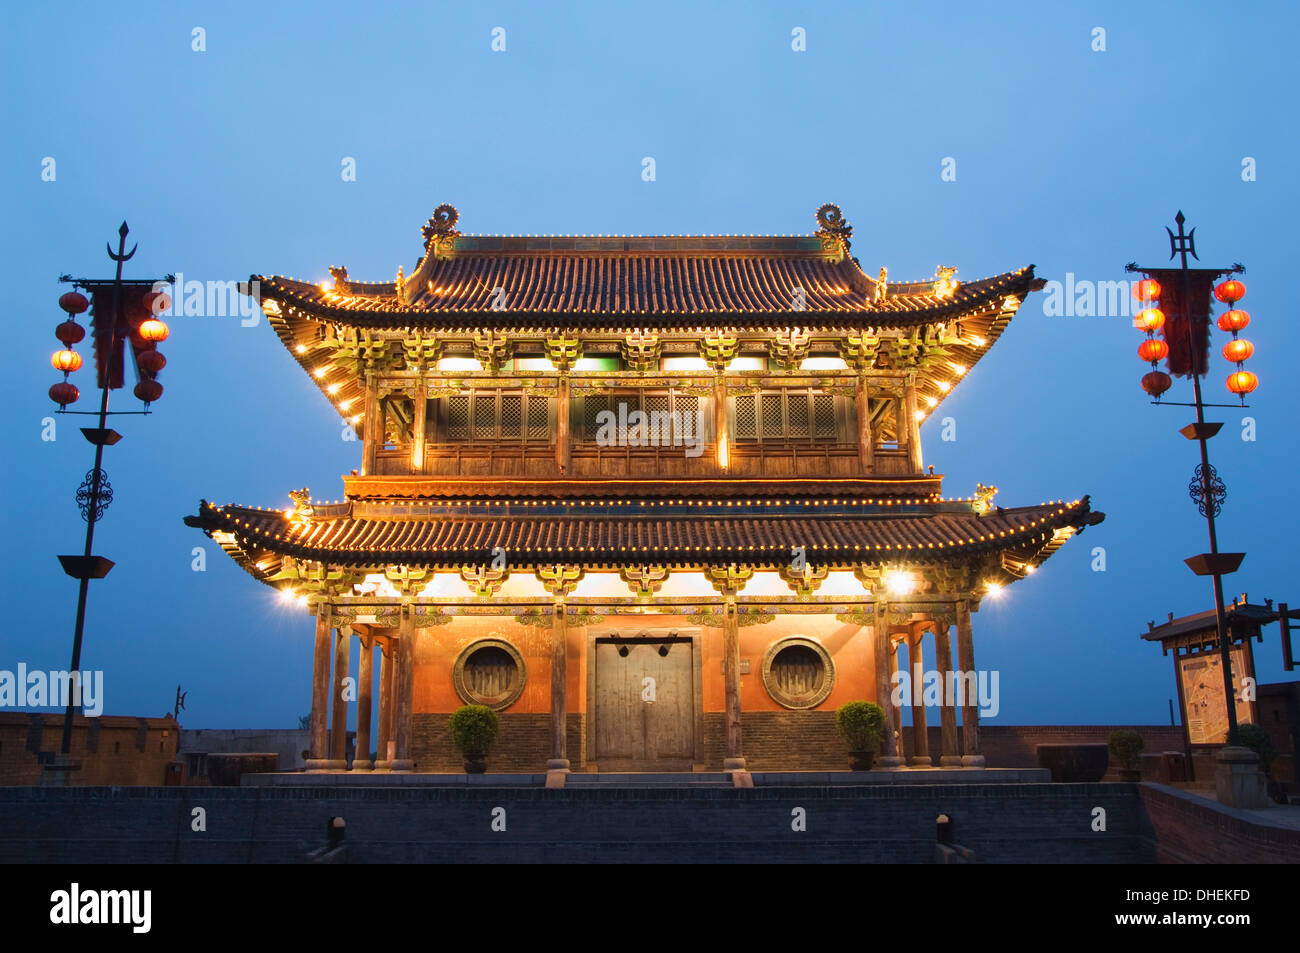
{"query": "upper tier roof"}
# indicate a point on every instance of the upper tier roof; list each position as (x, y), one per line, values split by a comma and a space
(665, 281)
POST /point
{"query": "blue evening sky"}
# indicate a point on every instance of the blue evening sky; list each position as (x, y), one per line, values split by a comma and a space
(227, 162)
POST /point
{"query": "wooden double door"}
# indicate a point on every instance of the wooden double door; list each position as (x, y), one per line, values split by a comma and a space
(645, 702)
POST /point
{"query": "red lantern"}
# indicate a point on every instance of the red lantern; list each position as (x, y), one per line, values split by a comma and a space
(148, 391)
(1156, 383)
(1238, 350)
(73, 302)
(154, 331)
(1149, 320)
(151, 362)
(66, 361)
(1230, 291)
(1153, 349)
(1242, 383)
(157, 302)
(1148, 289)
(70, 333)
(1233, 320)
(64, 393)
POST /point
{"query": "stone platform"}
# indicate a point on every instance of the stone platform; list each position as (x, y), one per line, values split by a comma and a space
(593, 780)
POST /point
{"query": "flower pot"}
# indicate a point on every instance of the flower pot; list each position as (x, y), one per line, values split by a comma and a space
(475, 764)
(861, 760)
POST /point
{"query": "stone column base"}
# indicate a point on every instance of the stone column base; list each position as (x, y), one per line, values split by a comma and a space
(382, 767)
(558, 764)
(950, 761)
(1238, 781)
(733, 764)
(361, 766)
(922, 761)
(317, 765)
(335, 765)
(401, 766)
(972, 761)
(890, 761)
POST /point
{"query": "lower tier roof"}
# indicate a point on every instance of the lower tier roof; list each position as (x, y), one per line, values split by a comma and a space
(601, 535)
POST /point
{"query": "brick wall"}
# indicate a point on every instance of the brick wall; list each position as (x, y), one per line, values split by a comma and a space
(877, 824)
(1192, 830)
(523, 744)
(772, 740)
(112, 749)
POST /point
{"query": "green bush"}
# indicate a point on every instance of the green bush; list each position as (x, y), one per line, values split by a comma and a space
(1257, 740)
(1126, 744)
(862, 724)
(473, 729)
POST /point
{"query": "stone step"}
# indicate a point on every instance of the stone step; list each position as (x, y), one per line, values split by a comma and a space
(648, 780)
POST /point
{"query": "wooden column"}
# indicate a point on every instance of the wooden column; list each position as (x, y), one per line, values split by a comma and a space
(372, 428)
(563, 440)
(721, 435)
(913, 425)
(884, 686)
(417, 435)
(735, 757)
(318, 754)
(970, 711)
(365, 683)
(383, 762)
(920, 726)
(949, 756)
(559, 760)
(404, 683)
(339, 718)
(866, 442)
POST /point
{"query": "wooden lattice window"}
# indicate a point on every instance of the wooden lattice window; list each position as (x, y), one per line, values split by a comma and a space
(489, 672)
(492, 416)
(669, 414)
(798, 673)
(789, 415)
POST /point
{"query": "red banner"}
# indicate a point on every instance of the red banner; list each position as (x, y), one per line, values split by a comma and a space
(110, 336)
(1187, 318)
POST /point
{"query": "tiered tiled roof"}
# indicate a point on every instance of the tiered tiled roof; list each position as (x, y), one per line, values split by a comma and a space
(539, 533)
(639, 282)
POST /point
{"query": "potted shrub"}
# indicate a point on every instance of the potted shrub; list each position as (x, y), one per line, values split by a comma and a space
(473, 729)
(863, 726)
(1126, 745)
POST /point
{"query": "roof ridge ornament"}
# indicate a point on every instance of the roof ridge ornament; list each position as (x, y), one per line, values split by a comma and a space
(835, 230)
(440, 231)
(945, 281)
(984, 498)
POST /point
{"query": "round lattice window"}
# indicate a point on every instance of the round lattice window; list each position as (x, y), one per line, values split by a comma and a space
(798, 673)
(489, 672)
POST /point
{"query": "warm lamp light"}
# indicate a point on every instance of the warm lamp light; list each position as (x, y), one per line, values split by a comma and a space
(1152, 350)
(1148, 289)
(1242, 383)
(1236, 350)
(154, 331)
(1149, 320)
(1234, 320)
(66, 361)
(1230, 291)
